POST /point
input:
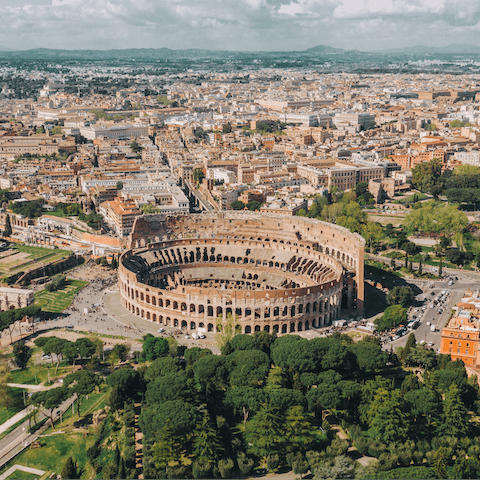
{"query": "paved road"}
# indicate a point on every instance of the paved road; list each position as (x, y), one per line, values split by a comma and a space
(432, 315)
(16, 441)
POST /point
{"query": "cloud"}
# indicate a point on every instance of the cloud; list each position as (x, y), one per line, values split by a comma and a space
(236, 24)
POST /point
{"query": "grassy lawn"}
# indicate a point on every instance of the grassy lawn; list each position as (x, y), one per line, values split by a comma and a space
(16, 405)
(53, 453)
(56, 213)
(58, 301)
(55, 449)
(42, 374)
(36, 252)
(89, 405)
(20, 475)
(410, 198)
(20, 258)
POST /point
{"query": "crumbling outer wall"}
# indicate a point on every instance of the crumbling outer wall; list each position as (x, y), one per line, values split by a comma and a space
(338, 242)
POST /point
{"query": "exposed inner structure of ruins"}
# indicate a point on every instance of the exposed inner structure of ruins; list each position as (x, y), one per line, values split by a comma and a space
(261, 271)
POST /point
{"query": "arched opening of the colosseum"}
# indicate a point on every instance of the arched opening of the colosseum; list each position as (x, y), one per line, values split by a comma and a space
(256, 281)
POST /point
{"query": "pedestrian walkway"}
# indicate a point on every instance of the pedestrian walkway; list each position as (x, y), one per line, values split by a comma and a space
(34, 388)
(33, 471)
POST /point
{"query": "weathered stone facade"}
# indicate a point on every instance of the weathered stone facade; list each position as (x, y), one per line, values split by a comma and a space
(267, 271)
(11, 298)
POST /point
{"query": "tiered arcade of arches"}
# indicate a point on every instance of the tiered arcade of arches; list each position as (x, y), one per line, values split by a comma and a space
(273, 230)
(265, 282)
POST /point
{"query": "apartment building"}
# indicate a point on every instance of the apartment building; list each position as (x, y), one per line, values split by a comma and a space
(460, 338)
(468, 158)
(358, 120)
(283, 104)
(285, 206)
(116, 132)
(119, 214)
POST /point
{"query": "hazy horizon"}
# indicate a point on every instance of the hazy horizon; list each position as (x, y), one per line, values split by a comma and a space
(244, 25)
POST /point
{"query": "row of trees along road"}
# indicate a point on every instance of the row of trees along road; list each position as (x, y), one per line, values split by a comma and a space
(264, 401)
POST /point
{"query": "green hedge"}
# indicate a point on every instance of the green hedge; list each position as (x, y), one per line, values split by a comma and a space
(10, 316)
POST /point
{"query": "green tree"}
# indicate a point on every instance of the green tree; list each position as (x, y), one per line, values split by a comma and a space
(206, 442)
(265, 432)
(8, 227)
(361, 188)
(237, 205)
(440, 462)
(135, 147)
(226, 467)
(163, 366)
(210, 375)
(70, 352)
(198, 175)
(127, 380)
(456, 419)
(253, 205)
(5, 379)
(403, 296)
(245, 464)
(390, 422)
(121, 469)
(21, 354)
(172, 386)
(154, 347)
(299, 432)
(83, 383)
(369, 354)
(167, 449)
(229, 330)
(411, 342)
(86, 348)
(431, 127)
(392, 317)
(50, 400)
(57, 130)
(466, 468)
(70, 469)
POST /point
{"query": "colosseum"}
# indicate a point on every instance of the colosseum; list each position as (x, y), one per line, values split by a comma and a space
(266, 271)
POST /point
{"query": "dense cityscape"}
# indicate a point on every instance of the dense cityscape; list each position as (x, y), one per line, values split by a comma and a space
(221, 264)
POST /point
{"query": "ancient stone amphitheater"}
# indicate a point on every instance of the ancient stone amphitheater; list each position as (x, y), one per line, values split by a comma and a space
(267, 272)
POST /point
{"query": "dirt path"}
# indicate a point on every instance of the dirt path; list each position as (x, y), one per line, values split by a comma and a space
(138, 443)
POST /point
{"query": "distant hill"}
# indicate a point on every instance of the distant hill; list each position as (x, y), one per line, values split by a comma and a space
(129, 53)
(461, 48)
(324, 49)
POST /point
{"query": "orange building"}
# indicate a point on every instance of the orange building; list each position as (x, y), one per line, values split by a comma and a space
(460, 338)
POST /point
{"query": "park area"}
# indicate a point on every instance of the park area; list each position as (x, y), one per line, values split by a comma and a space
(21, 258)
(57, 302)
(70, 435)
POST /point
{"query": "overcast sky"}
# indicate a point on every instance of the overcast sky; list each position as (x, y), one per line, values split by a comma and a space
(237, 24)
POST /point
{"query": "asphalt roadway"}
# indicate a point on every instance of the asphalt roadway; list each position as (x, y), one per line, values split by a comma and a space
(20, 438)
(466, 280)
(97, 309)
